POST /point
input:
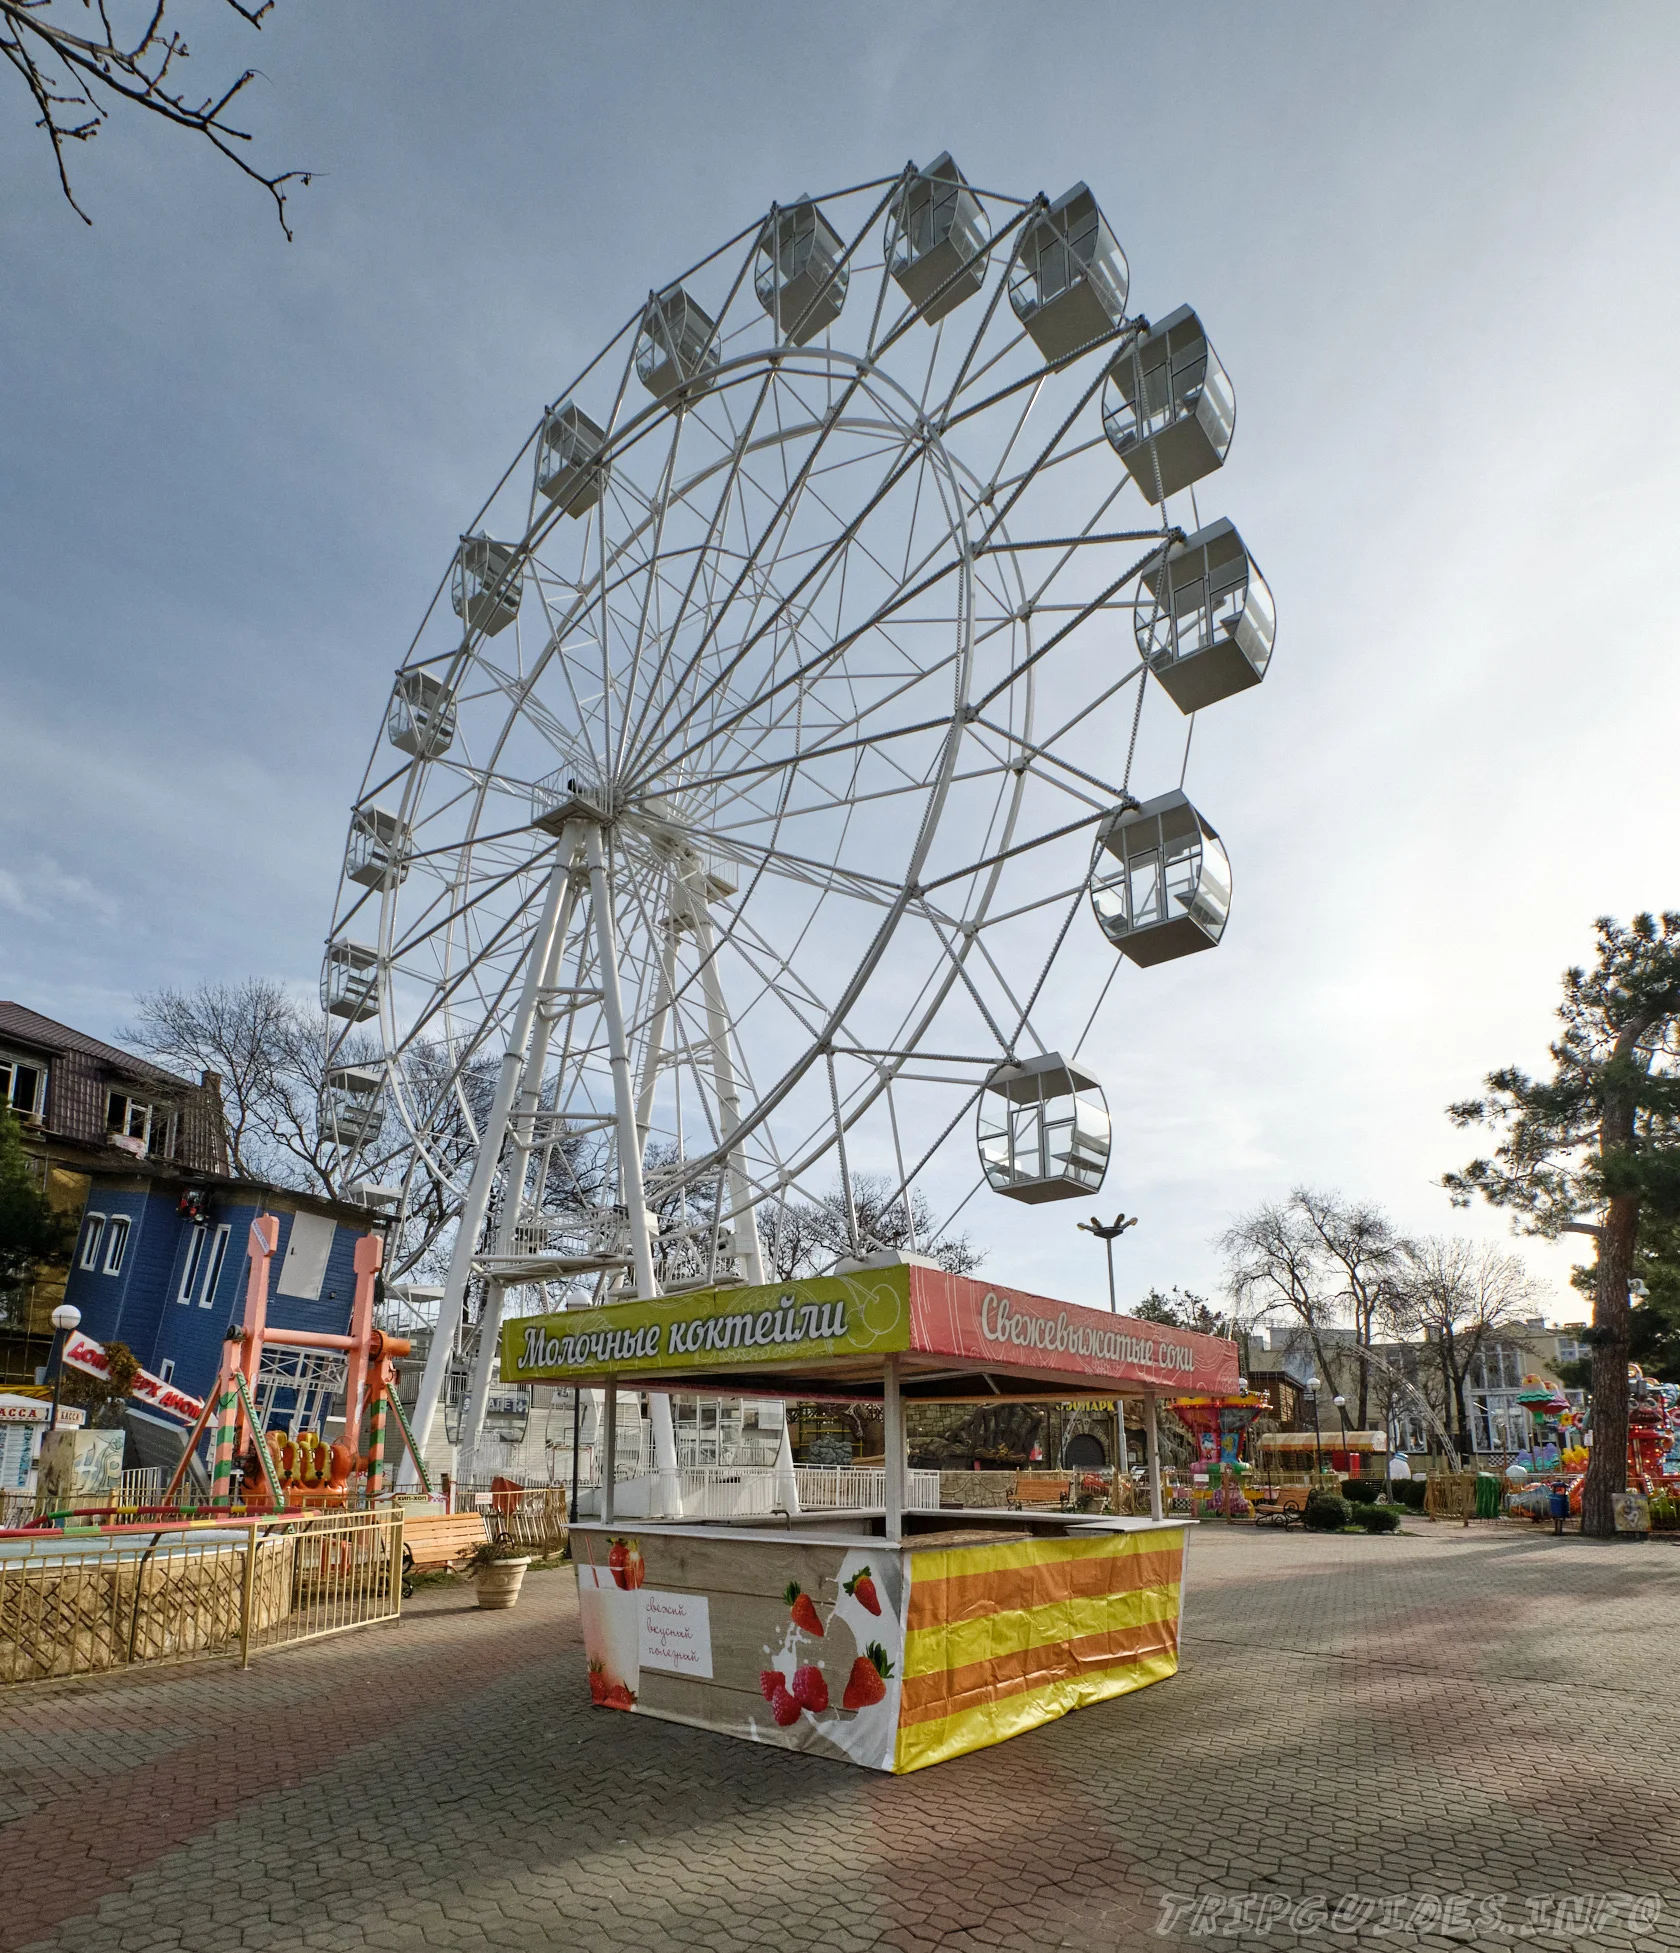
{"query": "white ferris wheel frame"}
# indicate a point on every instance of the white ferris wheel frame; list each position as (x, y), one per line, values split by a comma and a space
(602, 873)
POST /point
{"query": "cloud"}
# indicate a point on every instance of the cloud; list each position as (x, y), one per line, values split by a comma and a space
(44, 890)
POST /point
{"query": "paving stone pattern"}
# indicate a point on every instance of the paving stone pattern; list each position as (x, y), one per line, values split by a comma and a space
(1483, 1714)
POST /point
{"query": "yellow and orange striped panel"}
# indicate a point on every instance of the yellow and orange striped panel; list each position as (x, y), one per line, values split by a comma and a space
(999, 1639)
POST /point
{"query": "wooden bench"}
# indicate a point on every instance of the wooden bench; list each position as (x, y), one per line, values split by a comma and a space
(1042, 1488)
(439, 1541)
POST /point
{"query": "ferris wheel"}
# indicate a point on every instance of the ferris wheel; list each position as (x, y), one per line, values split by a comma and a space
(774, 724)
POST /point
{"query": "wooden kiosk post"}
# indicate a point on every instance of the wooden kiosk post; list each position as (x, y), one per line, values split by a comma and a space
(892, 1439)
(1152, 1439)
(609, 1448)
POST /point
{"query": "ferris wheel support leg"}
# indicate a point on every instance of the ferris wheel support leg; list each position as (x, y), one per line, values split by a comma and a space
(743, 1219)
(667, 1491)
(513, 1194)
(477, 1199)
(656, 1038)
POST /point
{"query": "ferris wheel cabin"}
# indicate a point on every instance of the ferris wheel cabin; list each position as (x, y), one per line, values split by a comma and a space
(487, 584)
(566, 460)
(800, 277)
(1043, 1130)
(936, 240)
(420, 719)
(350, 981)
(376, 854)
(1161, 886)
(350, 1107)
(1169, 411)
(1069, 281)
(678, 346)
(1208, 631)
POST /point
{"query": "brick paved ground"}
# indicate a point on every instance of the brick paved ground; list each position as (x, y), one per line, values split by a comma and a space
(1483, 1715)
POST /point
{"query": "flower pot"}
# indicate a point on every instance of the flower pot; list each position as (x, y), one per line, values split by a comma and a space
(498, 1584)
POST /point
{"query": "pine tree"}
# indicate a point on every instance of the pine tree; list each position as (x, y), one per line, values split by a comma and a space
(1595, 1149)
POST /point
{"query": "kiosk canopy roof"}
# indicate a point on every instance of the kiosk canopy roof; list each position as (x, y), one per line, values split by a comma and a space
(957, 1339)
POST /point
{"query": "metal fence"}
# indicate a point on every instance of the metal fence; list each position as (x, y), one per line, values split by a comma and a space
(192, 1590)
(534, 1515)
(141, 1487)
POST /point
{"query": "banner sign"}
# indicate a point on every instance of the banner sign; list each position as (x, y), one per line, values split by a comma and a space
(826, 1317)
(1006, 1329)
(85, 1354)
(829, 1319)
(38, 1410)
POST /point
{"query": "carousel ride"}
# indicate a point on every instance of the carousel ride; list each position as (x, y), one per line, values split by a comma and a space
(828, 654)
(1559, 1453)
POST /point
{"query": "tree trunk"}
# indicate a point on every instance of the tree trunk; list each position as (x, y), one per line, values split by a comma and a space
(1452, 1391)
(1365, 1334)
(1466, 1437)
(1607, 1468)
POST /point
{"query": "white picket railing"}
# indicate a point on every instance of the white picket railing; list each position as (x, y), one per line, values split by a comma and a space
(747, 1491)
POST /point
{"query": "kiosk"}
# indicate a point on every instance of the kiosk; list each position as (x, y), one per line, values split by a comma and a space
(887, 1638)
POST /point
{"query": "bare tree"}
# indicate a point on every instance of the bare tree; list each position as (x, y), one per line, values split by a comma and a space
(1457, 1294)
(271, 1062)
(1274, 1260)
(76, 79)
(1361, 1250)
(1329, 1262)
(803, 1237)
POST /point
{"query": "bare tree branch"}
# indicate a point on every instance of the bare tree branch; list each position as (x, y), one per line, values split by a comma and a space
(76, 80)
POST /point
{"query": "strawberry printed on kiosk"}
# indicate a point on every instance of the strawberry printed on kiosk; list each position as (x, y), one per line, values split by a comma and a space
(884, 1637)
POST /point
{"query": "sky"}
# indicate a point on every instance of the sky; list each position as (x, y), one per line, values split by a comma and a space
(1434, 246)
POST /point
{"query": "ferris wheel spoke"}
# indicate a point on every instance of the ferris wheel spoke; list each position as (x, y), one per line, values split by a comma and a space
(834, 549)
(1085, 611)
(704, 552)
(780, 514)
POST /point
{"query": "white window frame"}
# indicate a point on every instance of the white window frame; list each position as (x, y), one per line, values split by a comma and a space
(166, 1370)
(156, 1121)
(93, 1239)
(195, 1263)
(116, 1243)
(12, 1061)
(218, 1256)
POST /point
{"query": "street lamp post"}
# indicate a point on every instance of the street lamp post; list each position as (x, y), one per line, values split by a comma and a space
(1108, 1235)
(1318, 1434)
(1341, 1411)
(65, 1318)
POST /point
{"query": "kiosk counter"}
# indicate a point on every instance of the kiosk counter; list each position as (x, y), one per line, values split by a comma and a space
(882, 1637)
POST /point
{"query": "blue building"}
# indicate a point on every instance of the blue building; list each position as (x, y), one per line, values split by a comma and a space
(160, 1255)
(161, 1265)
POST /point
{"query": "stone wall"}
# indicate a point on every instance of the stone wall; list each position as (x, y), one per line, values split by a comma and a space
(972, 1488)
